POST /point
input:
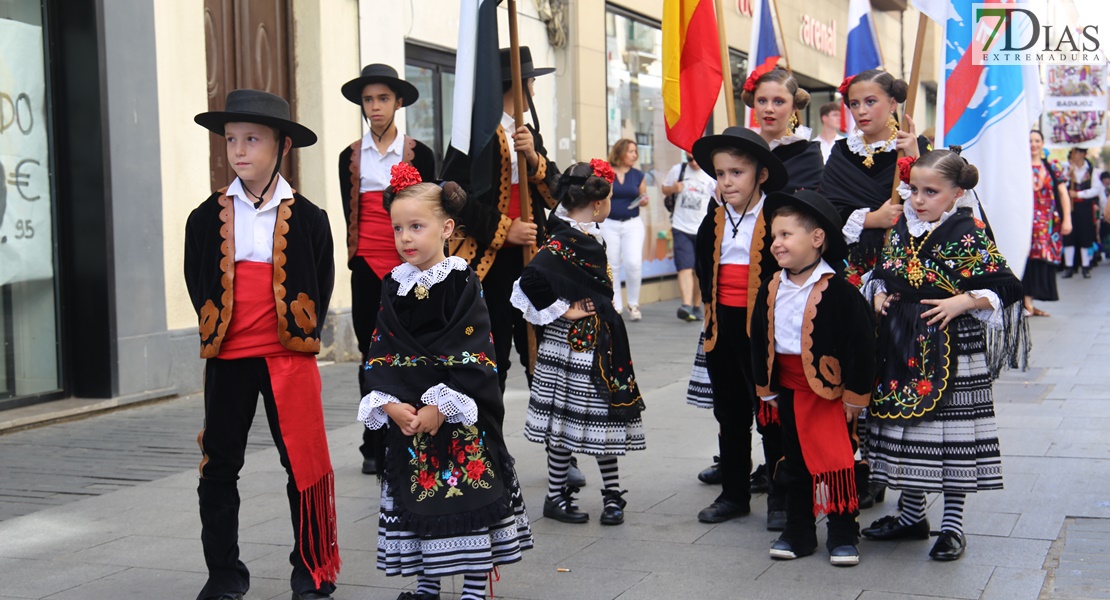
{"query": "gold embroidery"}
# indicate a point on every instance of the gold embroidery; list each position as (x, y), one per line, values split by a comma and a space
(710, 340)
(469, 331)
(356, 182)
(829, 368)
(827, 392)
(304, 312)
(209, 316)
(227, 279)
(281, 228)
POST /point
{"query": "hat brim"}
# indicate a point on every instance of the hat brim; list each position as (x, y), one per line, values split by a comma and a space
(214, 121)
(704, 148)
(352, 90)
(836, 249)
(530, 74)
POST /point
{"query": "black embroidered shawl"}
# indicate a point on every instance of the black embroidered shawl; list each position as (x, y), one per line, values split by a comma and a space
(804, 165)
(458, 480)
(572, 265)
(916, 361)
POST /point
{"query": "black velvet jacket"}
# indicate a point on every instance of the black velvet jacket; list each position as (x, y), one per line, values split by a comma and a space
(804, 165)
(304, 270)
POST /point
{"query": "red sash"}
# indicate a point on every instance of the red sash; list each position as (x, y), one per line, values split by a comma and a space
(513, 211)
(253, 331)
(375, 235)
(823, 436)
(732, 286)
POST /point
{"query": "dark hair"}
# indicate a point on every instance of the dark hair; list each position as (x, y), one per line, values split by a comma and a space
(578, 186)
(805, 218)
(829, 107)
(618, 150)
(895, 88)
(448, 197)
(951, 166)
(1104, 175)
(779, 75)
(508, 85)
(1038, 132)
(735, 153)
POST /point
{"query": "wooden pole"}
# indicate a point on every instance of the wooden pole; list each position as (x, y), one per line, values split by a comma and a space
(521, 159)
(726, 66)
(778, 25)
(911, 96)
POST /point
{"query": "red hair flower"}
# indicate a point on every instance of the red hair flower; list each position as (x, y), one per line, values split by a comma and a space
(603, 169)
(402, 175)
(751, 82)
(904, 165)
(843, 89)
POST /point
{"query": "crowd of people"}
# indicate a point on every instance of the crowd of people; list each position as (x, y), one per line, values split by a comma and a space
(858, 333)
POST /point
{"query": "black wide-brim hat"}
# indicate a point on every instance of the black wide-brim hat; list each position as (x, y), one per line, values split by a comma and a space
(746, 141)
(813, 203)
(527, 68)
(255, 106)
(379, 73)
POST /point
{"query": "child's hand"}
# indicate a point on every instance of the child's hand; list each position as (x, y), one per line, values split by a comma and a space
(907, 138)
(882, 302)
(428, 420)
(580, 310)
(884, 217)
(945, 310)
(402, 414)
(851, 413)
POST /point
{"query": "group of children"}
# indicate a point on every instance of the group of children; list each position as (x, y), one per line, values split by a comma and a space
(788, 336)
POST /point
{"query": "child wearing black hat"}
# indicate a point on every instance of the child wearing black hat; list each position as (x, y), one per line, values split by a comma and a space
(364, 171)
(729, 262)
(259, 269)
(813, 354)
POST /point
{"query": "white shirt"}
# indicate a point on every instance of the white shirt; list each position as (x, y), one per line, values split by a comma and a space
(826, 147)
(254, 229)
(374, 167)
(790, 307)
(737, 250)
(508, 123)
(690, 205)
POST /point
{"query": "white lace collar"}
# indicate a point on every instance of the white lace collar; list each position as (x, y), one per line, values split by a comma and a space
(858, 147)
(918, 227)
(801, 134)
(589, 227)
(408, 276)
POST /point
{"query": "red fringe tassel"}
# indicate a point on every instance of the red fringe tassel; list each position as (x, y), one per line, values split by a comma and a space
(320, 549)
(835, 492)
(768, 414)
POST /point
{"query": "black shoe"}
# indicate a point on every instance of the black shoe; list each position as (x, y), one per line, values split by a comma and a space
(1069, 272)
(712, 474)
(878, 491)
(563, 509)
(784, 550)
(950, 546)
(613, 513)
(844, 556)
(1086, 272)
(776, 520)
(721, 511)
(760, 482)
(230, 597)
(863, 487)
(686, 313)
(575, 478)
(369, 466)
(415, 596)
(311, 596)
(888, 528)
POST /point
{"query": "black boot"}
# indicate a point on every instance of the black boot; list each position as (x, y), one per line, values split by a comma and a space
(760, 481)
(711, 474)
(863, 485)
(562, 508)
(1069, 272)
(613, 514)
(1086, 272)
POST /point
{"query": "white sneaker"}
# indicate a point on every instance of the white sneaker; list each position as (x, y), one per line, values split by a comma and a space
(634, 312)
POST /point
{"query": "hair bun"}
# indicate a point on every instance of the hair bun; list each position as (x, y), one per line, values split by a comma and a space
(453, 198)
(969, 176)
(899, 90)
(801, 99)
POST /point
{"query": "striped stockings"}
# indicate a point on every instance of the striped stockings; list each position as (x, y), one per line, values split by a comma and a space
(913, 510)
(474, 586)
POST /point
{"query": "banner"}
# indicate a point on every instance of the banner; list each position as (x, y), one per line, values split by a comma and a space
(26, 251)
(1074, 106)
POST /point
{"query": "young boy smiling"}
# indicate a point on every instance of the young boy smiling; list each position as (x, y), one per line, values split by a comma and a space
(813, 349)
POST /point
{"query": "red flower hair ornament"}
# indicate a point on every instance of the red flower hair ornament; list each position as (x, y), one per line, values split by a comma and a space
(904, 165)
(402, 175)
(603, 169)
(843, 89)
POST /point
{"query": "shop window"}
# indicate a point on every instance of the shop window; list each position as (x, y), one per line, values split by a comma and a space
(433, 74)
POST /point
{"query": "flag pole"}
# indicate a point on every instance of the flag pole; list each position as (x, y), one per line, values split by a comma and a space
(782, 32)
(911, 96)
(726, 65)
(521, 159)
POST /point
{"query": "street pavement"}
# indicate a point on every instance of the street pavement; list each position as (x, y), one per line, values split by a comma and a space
(105, 507)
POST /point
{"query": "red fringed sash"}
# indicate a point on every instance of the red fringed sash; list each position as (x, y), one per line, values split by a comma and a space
(732, 285)
(823, 436)
(768, 414)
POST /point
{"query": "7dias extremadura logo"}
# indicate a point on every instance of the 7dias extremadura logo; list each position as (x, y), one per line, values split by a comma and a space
(1012, 34)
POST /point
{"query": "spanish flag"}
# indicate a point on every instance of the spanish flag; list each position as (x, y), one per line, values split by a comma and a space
(691, 68)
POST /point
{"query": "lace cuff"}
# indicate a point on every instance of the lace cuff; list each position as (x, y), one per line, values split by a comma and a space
(854, 227)
(457, 407)
(904, 191)
(991, 317)
(533, 315)
(370, 409)
(770, 398)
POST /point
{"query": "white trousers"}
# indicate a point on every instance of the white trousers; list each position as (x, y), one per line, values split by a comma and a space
(624, 247)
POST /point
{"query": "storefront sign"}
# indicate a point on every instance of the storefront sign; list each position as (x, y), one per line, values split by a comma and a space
(818, 35)
(25, 220)
(744, 7)
(1075, 106)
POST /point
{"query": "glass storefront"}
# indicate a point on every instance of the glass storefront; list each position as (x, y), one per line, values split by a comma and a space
(29, 352)
(429, 120)
(634, 105)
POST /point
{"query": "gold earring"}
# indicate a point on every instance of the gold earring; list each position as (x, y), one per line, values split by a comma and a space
(793, 122)
(597, 211)
(892, 123)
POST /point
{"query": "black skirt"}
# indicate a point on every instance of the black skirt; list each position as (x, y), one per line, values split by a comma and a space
(1083, 225)
(1039, 281)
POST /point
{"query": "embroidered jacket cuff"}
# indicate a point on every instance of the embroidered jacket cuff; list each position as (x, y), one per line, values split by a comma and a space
(502, 233)
(370, 409)
(854, 399)
(854, 227)
(538, 178)
(532, 314)
(991, 317)
(457, 407)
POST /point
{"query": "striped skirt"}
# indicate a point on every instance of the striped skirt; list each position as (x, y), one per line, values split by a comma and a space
(699, 392)
(566, 409)
(957, 449)
(406, 553)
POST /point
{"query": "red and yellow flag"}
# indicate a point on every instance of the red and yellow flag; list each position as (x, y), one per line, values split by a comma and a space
(691, 68)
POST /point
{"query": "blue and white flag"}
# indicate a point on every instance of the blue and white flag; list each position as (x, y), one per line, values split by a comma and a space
(862, 51)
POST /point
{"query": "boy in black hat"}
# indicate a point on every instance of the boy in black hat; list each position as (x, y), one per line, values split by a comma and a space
(813, 350)
(364, 173)
(259, 268)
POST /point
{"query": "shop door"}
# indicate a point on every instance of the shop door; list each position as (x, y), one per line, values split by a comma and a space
(248, 46)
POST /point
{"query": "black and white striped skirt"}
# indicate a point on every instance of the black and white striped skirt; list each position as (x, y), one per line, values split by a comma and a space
(699, 392)
(565, 408)
(955, 451)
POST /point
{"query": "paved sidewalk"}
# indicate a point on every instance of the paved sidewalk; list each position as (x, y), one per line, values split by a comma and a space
(106, 507)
